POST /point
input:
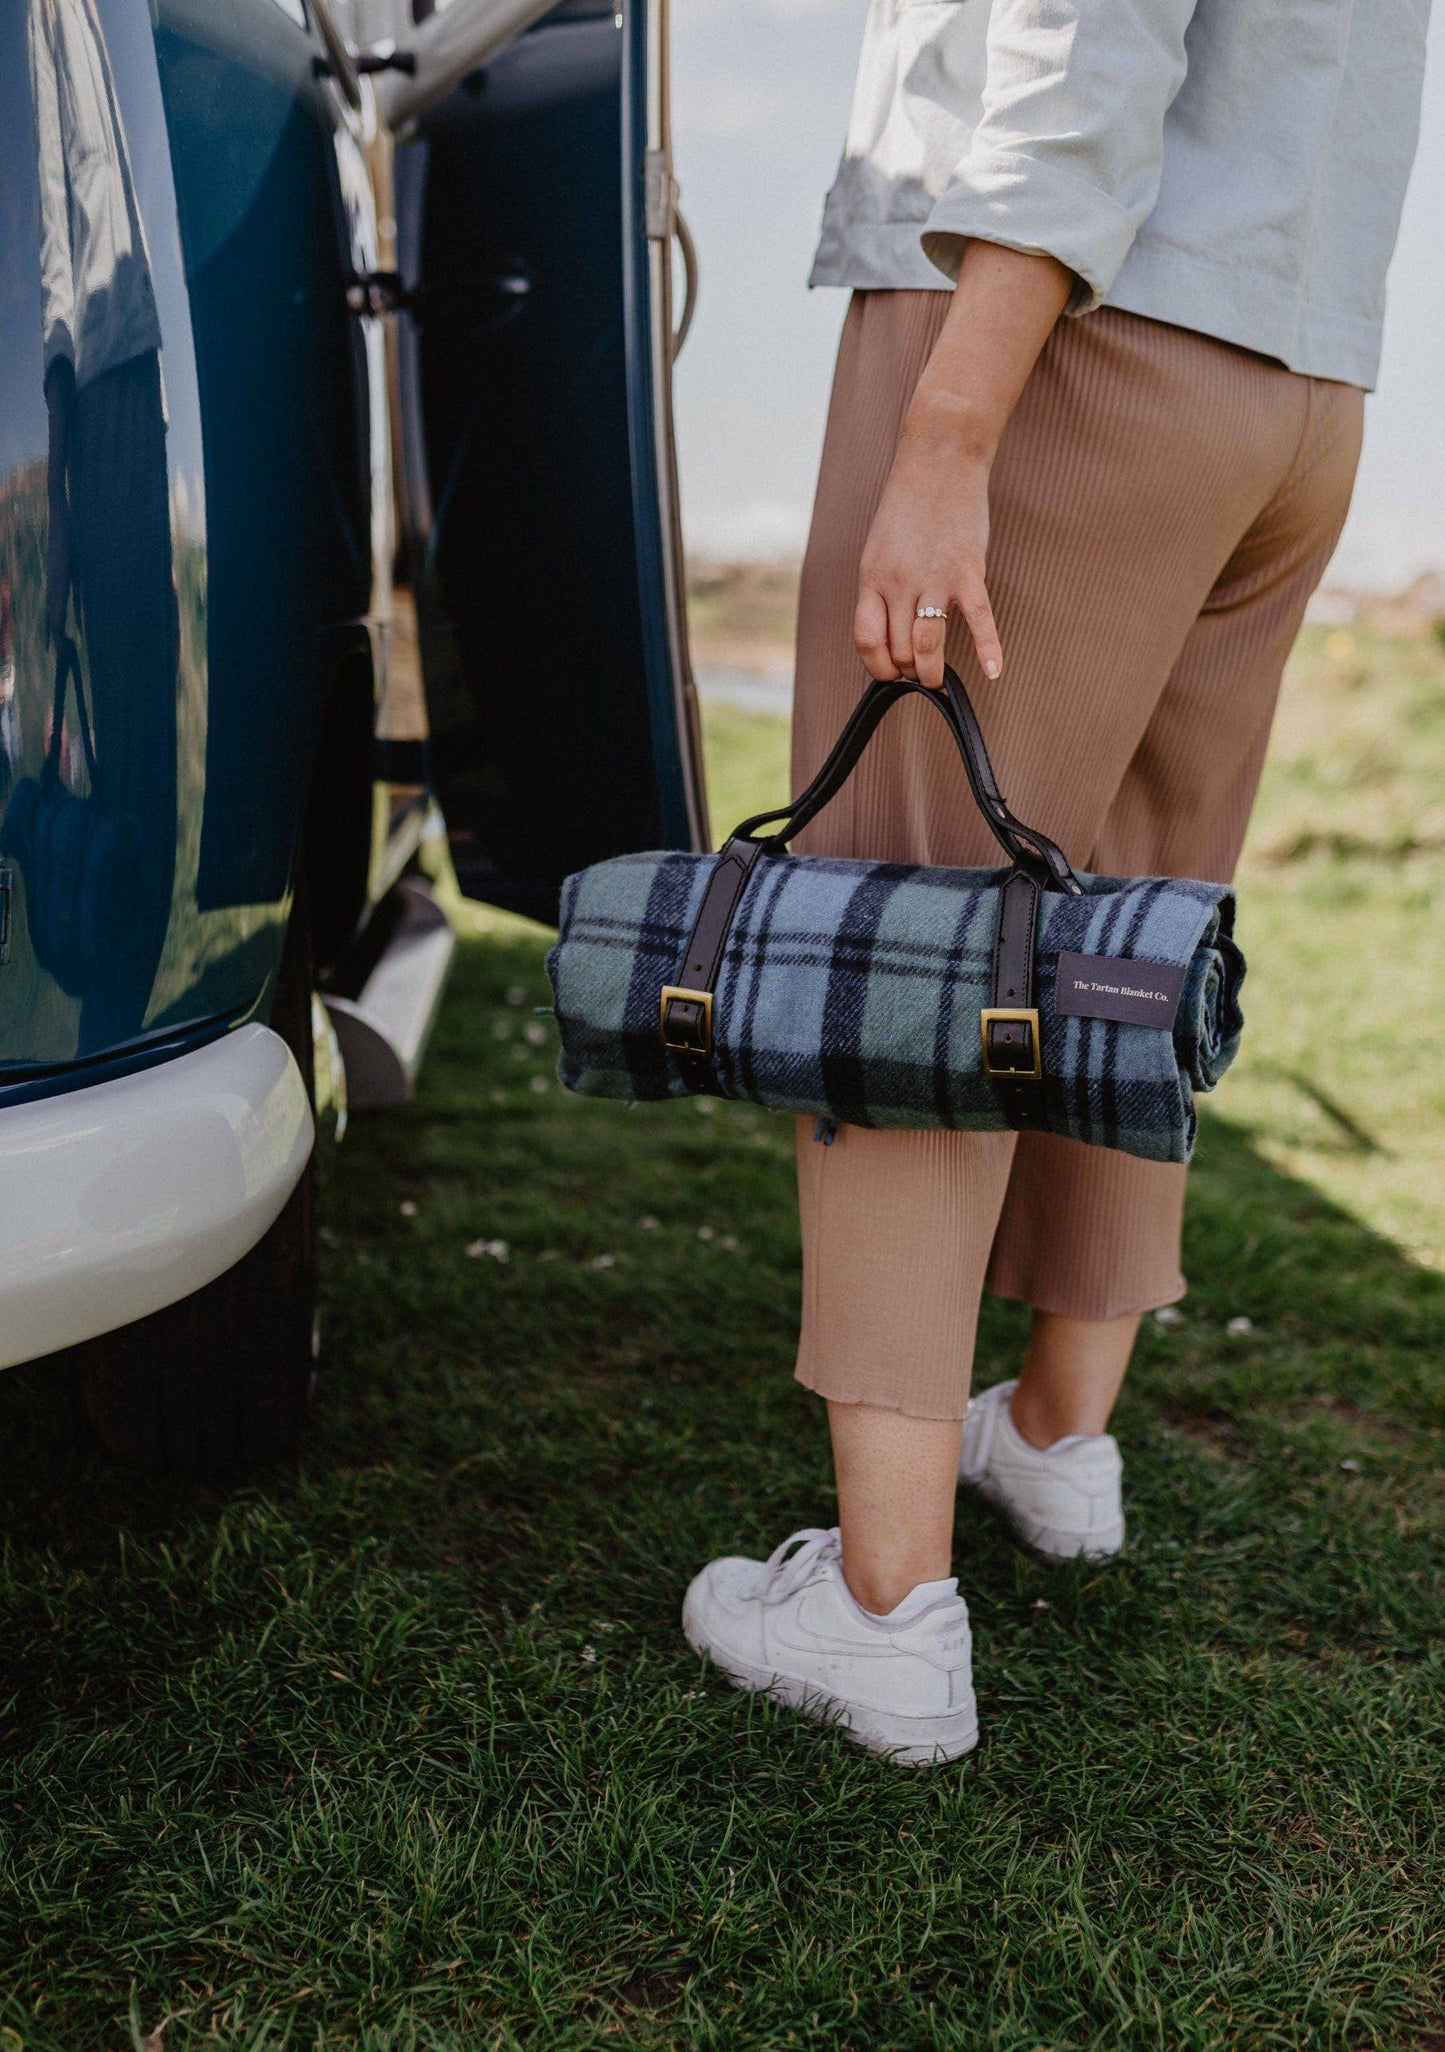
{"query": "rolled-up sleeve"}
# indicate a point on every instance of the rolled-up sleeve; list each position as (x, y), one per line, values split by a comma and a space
(57, 280)
(1065, 159)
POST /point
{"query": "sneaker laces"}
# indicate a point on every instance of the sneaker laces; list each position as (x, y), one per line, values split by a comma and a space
(788, 1571)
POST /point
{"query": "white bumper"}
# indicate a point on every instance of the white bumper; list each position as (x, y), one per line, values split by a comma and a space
(121, 1198)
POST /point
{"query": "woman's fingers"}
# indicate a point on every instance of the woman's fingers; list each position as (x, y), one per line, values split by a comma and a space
(870, 632)
(900, 628)
(894, 642)
(928, 648)
(929, 633)
(972, 601)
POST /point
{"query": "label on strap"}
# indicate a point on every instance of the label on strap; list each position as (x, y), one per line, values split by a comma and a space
(1102, 987)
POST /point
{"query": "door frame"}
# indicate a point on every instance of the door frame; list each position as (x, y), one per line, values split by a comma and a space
(650, 230)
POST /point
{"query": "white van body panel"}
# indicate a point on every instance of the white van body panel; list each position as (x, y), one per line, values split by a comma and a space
(119, 1199)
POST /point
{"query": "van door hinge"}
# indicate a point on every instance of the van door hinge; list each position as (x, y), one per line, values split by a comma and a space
(385, 57)
(660, 194)
(379, 292)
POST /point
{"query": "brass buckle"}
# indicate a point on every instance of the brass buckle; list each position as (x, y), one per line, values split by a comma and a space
(701, 1045)
(1028, 1016)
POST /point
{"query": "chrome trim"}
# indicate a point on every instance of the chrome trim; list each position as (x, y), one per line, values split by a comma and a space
(383, 1031)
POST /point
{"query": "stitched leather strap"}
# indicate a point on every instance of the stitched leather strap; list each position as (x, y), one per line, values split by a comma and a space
(1011, 1047)
(1010, 1025)
(988, 797)
(687, 1005)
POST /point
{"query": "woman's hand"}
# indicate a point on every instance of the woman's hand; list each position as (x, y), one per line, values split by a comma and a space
(929, 539)
(927, 547)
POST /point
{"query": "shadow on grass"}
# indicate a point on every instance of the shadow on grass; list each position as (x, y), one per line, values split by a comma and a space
(599, 1305)
(423, 1700)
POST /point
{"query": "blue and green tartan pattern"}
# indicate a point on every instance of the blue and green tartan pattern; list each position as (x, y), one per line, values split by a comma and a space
(852, 990)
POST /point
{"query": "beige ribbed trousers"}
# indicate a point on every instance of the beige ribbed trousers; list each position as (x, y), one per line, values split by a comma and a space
(1162, 506)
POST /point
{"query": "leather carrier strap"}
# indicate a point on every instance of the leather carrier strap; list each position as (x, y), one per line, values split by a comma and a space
(1009, 1024)
(67, 669)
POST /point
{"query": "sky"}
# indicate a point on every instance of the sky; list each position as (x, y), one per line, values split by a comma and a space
(760, 102)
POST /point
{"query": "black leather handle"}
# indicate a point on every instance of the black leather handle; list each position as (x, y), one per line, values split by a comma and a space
(1025, 846)
(987, 796)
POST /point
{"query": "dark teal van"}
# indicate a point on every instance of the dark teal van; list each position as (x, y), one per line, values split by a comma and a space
(338, 530)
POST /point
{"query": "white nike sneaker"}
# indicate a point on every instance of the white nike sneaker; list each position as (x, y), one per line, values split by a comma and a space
(1063, 1500)
(790, 1627)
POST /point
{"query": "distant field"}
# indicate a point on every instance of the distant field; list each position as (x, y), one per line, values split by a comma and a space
(1342, 888)
(740, 615)
(404, 1751)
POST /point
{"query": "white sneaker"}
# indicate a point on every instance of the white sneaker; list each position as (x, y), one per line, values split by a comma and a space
(1064, 1500)
(790, 1627)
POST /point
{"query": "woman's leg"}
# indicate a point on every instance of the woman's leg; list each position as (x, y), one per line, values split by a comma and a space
(896, 1235)
(1089, 1238)
(896, 1480)
(1073, 1371)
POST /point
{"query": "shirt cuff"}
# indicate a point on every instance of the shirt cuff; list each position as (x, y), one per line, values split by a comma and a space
(1028, 204)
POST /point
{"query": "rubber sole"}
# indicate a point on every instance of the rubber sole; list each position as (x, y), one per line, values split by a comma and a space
(1050, 1542)
(907, 1741)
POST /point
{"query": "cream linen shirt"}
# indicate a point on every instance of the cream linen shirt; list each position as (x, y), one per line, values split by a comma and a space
(1232, 166)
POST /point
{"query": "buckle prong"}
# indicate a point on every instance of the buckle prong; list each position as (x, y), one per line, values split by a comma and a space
(687, 1035)
(1029, 1068)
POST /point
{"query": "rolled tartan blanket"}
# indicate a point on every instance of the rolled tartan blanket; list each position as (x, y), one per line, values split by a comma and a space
(893, 994)
(853, 990)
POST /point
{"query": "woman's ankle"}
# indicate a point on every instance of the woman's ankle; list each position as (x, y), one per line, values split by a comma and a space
(1072, 1373)
(879, 1587)
(896, 1481)
(1036, 1417)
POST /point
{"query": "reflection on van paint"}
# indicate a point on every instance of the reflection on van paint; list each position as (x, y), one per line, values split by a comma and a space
(95, 506)
(184, 494)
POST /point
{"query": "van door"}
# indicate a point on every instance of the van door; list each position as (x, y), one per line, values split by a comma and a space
(534, 212)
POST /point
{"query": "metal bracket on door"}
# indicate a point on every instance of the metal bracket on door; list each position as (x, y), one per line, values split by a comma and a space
(659, 194)
(663, 219)
(380, 292)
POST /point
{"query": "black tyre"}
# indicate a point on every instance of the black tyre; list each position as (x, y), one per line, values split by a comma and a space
(220, 1382)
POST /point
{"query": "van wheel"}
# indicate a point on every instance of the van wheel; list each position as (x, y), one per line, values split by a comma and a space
(221, 1382)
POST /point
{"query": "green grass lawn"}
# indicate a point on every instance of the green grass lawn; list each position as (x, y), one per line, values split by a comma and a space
(405, 1750)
